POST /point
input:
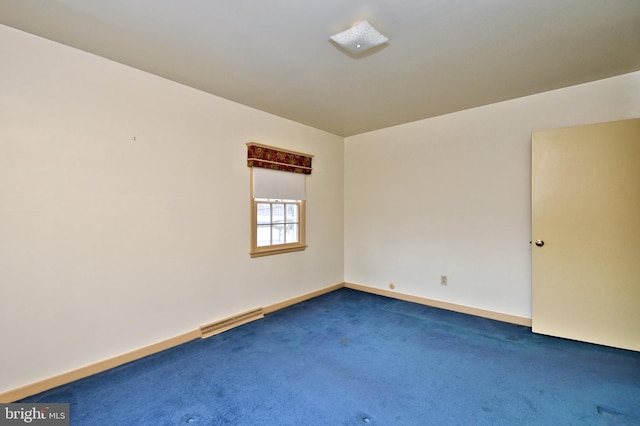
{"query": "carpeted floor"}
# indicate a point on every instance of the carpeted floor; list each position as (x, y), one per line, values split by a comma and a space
(352, 358)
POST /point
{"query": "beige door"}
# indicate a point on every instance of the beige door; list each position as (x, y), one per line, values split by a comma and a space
(586, 218)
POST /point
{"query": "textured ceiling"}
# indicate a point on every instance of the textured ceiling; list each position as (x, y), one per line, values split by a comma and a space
(275, 55)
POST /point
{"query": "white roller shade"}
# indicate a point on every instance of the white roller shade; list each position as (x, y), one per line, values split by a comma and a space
(276, 184)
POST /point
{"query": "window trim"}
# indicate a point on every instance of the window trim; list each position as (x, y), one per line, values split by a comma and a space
(268, 157)
(259, 251)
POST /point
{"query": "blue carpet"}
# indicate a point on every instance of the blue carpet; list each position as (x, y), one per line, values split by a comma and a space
(352, 358)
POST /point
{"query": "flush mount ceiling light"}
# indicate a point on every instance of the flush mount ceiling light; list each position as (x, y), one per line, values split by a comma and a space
(360, 38)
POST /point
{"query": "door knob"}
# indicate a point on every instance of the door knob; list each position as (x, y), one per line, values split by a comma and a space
(539, 243)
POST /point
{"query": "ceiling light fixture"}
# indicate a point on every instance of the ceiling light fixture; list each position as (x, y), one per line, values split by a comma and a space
(359, 38)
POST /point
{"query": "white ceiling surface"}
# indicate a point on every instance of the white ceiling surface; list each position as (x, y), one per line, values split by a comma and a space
(275, 55)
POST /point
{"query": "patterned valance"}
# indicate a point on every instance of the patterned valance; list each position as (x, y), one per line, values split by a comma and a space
(269, 157)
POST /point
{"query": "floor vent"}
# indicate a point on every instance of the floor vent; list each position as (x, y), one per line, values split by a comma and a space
(231, 322)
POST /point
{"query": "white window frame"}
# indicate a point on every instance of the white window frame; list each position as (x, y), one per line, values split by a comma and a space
(267, 250)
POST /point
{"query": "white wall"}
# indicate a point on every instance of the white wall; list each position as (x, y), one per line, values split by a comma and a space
(451, 196)
(124, 209)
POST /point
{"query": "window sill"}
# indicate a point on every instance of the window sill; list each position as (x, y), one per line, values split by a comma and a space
(268, 251)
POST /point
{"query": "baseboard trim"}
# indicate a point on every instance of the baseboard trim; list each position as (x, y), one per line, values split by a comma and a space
(277, 306)
(98, 367)
(514, 319)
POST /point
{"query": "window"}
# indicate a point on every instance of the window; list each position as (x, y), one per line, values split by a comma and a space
(278, 199)
(278, 226)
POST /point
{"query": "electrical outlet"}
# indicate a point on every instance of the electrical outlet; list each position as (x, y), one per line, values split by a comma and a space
(443, 279)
